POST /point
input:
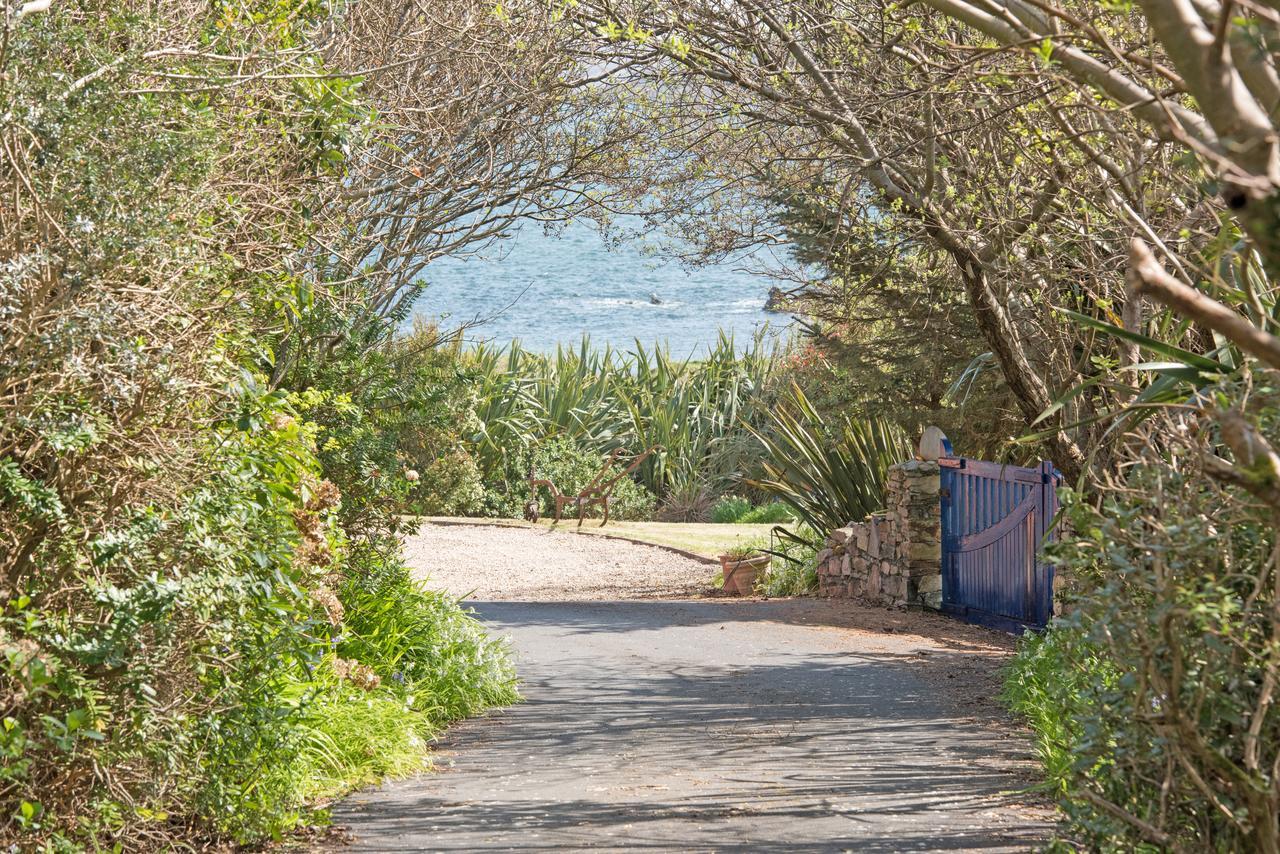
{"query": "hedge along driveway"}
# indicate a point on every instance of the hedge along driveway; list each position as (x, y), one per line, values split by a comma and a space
(768, 726)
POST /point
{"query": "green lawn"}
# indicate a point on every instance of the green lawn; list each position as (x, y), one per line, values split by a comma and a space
(704, 539)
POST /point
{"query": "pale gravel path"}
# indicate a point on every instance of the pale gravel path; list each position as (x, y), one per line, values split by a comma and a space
(496, 563)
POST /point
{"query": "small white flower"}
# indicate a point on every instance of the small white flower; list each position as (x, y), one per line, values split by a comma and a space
(84, 224)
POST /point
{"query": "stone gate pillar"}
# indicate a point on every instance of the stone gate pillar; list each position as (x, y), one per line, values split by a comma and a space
(893, 557)
(918, 522)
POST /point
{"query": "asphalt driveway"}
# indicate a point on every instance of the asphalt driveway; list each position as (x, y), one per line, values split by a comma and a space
(793, 725)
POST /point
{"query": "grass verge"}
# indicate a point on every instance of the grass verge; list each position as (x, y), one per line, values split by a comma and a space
(411, 661)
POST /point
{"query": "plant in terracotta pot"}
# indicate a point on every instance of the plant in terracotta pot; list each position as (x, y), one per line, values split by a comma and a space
(742, 565)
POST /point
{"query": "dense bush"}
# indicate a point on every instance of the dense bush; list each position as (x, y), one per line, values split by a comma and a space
(695, 412)
(876, 314)
(734, 508)
(419, 661)
(794, 568)
(773, 513)
(729, 509)
(176, 561)
(1152, 698)
(827, 471)
(395, 412)
(144, 663)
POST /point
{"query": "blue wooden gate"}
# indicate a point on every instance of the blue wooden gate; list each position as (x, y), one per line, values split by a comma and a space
(995, 518)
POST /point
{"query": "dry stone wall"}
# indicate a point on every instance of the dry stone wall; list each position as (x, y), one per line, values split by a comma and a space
(893, 557)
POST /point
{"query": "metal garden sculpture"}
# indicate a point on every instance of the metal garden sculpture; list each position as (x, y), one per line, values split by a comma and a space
(598, 491)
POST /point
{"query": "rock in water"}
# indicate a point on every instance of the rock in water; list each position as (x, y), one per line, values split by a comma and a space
(776, 301)
(655, 299)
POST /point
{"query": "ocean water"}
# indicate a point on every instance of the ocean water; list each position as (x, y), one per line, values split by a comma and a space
(548, 289)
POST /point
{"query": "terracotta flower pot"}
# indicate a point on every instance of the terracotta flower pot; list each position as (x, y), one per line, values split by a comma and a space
(740, 574)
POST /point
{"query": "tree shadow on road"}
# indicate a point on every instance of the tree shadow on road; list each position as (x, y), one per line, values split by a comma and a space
(606, 616)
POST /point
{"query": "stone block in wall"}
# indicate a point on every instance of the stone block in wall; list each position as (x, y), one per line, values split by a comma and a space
(925, 591)
(874, 580)
(893, 589)
(927, 484)
(926, 551)
(923, 514)
(921, 568)
(877, 530)
(1062, 587)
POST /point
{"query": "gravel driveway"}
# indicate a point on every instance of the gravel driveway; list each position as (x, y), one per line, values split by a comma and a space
(491, 563)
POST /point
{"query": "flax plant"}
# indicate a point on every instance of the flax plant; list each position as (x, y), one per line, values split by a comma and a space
(695, 411)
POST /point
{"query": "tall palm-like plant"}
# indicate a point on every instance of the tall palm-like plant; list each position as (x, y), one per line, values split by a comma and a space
(829, 477)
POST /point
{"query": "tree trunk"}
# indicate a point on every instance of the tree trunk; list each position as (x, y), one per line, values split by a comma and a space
(1028, 387)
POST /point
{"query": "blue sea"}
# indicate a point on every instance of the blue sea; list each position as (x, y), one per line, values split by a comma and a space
(547, 289)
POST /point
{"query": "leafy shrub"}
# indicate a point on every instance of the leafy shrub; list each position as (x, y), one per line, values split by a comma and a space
(433, 664)
(734, 508)
(450, 485)
(742, 551)
(158, 674)
(1151, 699)
(174, 396)
(393, 412)
(425, 642)
(773, 513)
(794, 569)
(729, 509)
(694, 410)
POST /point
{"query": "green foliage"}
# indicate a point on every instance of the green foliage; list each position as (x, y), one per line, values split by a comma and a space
(742, 551)
(171, 539)
(171, 660)
(729, 509)
(1150, 700)
(828, 477)
(890, 334)
(393, 411)
(773, 513)
(1049, 684)
(349, 737)
(794, 569)
(425, 642)
(733, 508)
(433, 663)
(693, 410)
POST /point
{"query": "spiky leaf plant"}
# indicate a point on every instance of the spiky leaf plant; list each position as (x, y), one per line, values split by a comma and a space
(829, 474)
